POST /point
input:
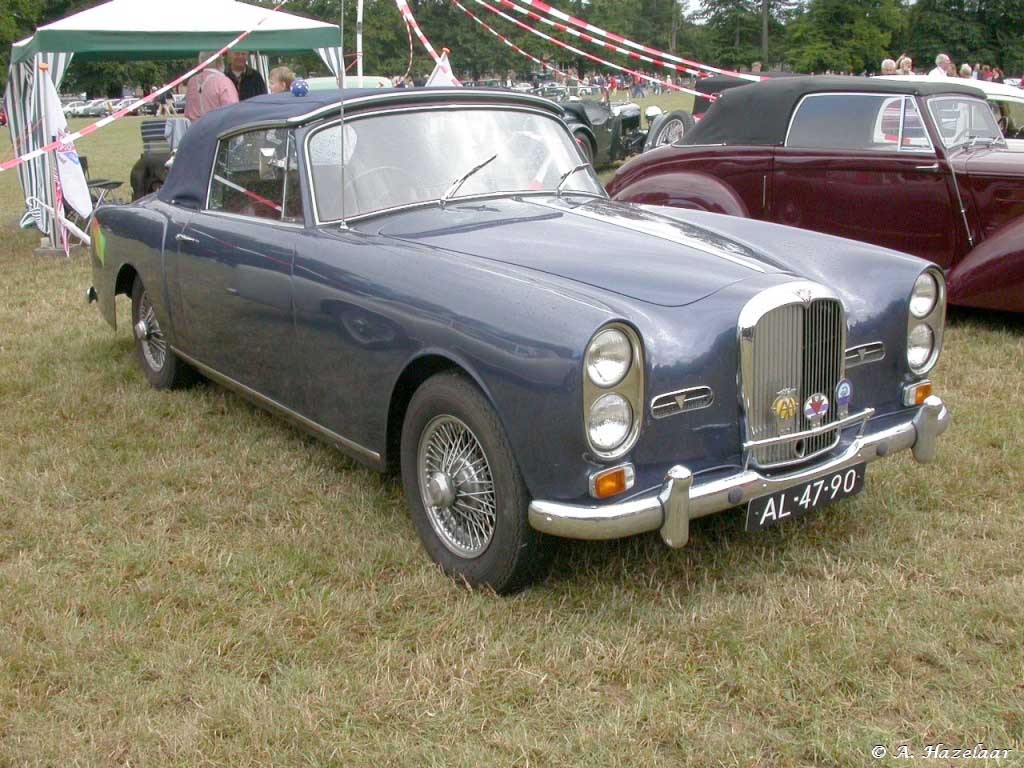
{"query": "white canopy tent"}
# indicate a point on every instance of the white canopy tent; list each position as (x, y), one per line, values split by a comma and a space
(143, 29)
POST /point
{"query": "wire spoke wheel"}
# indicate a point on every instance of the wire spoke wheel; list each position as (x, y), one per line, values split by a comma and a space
(456, 486)
(671, 132)
(149, 334)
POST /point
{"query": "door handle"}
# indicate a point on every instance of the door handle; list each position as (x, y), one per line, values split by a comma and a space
(185, 238)
(931, 168)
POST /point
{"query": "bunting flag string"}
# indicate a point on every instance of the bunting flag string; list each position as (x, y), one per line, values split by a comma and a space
(591, 56)
(610, 46)
(407, 15)
(508, 42)
(543, 7)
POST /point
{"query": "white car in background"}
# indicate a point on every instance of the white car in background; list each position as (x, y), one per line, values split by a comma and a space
(1006, 101)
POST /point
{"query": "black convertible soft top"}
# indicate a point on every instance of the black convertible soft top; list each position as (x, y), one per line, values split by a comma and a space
(187, 180)
(758, 114)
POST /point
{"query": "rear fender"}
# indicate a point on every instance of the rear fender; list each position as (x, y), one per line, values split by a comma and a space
(991, 276)
(687, 189)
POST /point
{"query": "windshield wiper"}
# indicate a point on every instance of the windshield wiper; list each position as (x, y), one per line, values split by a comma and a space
(985, 141)
(463, 179)
(565, 176)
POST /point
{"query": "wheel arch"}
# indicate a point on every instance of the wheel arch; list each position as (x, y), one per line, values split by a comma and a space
(418, 370)
(680, 189)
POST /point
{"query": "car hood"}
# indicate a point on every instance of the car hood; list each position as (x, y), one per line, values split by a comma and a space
(615, 247)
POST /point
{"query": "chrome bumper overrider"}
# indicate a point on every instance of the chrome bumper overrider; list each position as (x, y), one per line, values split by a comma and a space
(680, 501)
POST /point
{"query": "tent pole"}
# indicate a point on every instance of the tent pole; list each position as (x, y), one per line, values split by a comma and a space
(49, 166)
(359, 41)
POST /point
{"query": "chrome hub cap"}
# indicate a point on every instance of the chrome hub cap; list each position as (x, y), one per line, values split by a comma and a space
(673, 132)
(456, 486)
(147, 331)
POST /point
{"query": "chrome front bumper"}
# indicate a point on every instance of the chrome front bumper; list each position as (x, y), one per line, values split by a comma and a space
(679, 500)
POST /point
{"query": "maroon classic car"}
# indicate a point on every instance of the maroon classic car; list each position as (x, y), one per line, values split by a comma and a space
(920, 167)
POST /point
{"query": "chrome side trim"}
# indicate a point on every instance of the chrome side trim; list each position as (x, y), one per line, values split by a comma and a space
(678, 500)
(871, 352)
(349, 446)
(681, 401)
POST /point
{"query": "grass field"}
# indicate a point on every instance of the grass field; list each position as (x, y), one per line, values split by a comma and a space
(185, 580)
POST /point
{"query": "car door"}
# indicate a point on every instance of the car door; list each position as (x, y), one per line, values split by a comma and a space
(234, 264)
(863, 166)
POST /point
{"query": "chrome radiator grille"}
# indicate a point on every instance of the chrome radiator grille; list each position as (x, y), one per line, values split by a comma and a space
(796, 350)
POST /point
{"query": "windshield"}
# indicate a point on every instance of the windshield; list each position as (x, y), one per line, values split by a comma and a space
(1010, 116)
(414, 157)
(961, 120)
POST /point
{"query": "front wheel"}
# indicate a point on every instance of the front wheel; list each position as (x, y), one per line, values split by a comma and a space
(463, 485)
(163, 369)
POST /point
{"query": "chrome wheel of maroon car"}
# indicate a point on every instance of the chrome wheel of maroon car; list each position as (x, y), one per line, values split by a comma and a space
(456, 486)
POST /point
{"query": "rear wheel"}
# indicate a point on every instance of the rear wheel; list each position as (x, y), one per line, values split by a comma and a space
(468, 499)
(670, 129)
(163, 369)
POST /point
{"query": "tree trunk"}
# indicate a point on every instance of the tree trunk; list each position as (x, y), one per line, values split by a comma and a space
(765, 12)
(677, 13)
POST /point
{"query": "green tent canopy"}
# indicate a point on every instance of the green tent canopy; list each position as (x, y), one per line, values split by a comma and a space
(121, 30)
(142, 29)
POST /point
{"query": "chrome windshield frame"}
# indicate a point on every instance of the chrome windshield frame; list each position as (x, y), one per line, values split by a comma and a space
(476, 106)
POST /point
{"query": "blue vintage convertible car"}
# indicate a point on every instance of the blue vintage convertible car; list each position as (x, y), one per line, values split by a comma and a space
(441, 287)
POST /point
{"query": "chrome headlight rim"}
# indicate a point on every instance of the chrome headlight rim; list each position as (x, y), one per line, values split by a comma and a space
(918, 362)
(934, 320)
(605, 341)
(926, 278)
(630, 387)
(610, 400)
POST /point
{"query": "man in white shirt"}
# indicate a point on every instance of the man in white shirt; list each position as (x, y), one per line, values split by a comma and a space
(941, 66)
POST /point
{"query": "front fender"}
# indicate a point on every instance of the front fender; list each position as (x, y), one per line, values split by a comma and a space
(992, 275)
(686, 189)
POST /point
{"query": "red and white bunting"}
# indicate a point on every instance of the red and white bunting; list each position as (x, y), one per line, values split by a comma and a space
(591, 56)
(508, 42)
(406, 11)
(580, 24)
(589, 39)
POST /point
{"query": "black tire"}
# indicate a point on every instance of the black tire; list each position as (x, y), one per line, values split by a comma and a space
(586, 148)
(515, 554)
(669, 129)
(162, 371)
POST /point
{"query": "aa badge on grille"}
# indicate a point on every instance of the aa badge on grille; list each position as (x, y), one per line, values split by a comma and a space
(784, 407)
(844, 393)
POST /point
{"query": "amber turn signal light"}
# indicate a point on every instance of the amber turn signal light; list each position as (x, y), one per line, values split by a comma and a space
(916, 394)
(611, 482)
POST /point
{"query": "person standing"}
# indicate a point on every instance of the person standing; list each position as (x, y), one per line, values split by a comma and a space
(208, 90)
(281, 79)
(248, 82)
(942, 63)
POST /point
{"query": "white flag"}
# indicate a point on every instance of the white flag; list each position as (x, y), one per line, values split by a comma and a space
(72, 179)
(442, 74)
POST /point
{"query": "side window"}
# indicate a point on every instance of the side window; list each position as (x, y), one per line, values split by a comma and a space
(888, 134)
(854, 121)
(250, 173)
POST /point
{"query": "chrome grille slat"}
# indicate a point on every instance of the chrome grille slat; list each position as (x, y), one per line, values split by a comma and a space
(801, 346)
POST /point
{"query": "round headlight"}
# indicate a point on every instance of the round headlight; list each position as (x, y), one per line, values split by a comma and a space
(924, 295)
(610, 421)
(609, 357)
(920, 344)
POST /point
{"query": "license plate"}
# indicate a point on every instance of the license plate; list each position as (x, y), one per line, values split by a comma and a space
(766, 511)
